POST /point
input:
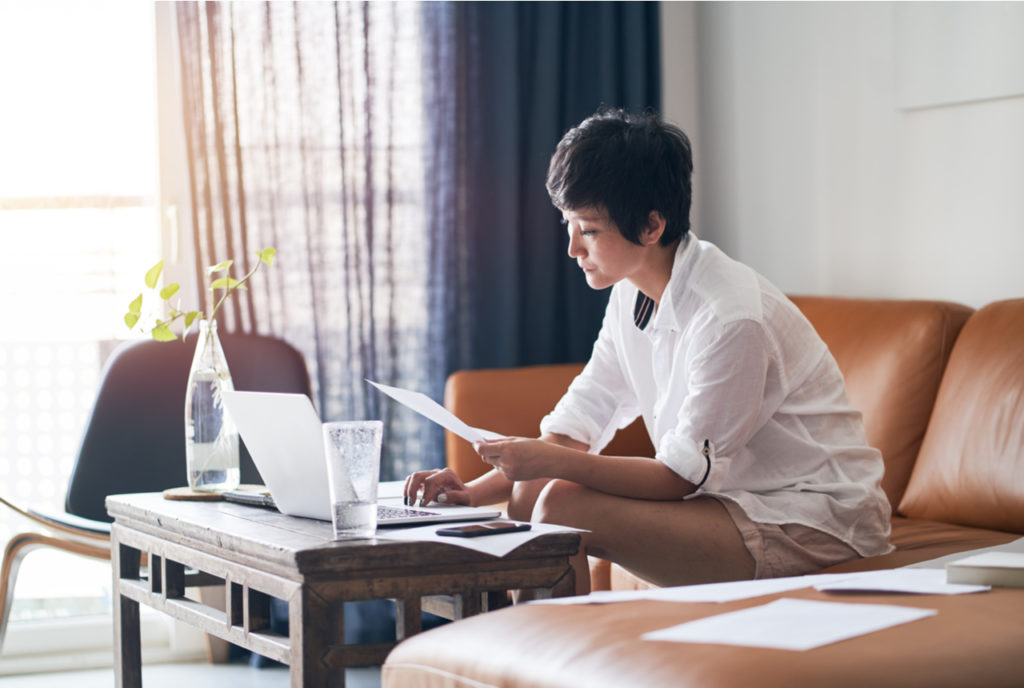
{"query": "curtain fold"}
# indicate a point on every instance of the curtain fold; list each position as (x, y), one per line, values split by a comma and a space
(395, 155)
(518, 76)
(305, 132)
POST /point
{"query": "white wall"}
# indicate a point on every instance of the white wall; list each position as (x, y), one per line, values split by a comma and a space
(831, 156)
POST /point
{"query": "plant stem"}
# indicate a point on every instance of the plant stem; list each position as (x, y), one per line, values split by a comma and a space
(230, 290)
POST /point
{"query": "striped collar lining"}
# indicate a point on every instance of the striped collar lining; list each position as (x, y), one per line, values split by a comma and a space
(643, 309)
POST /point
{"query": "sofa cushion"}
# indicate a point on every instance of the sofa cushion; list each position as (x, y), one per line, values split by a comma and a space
(971, 466)
(918, 540)
(892, 355)
(915, 540)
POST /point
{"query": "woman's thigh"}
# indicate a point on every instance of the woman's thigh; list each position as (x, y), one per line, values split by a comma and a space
(665, 542)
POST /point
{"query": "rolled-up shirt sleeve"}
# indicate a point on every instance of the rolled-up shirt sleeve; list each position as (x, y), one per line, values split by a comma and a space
(724, 405)
(600, 400)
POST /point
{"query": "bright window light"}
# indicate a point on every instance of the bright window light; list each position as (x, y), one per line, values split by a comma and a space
(79, 226)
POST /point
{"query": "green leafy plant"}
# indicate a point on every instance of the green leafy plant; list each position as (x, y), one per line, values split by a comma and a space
(161, 330)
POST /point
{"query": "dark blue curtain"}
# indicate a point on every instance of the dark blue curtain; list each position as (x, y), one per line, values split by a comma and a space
(510, 79)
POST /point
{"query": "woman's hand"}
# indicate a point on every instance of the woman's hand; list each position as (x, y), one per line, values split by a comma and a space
(440, 485)
(518, 458)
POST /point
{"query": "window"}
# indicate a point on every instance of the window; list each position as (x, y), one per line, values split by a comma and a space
(78, 227)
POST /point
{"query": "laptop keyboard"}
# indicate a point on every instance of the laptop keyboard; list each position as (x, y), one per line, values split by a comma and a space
(384, 513)
(387, 513)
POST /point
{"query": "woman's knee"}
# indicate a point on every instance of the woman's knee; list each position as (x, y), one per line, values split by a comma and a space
(523, 498)
(560, 502)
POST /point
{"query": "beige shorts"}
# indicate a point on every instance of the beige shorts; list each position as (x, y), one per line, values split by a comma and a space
(788, 549)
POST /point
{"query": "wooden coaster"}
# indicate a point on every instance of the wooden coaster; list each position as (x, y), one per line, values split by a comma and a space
(187, 494)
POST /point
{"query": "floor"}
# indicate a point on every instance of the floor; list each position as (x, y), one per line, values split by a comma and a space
(192, 675)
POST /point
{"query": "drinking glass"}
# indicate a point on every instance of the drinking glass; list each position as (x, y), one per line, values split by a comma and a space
(352, 451)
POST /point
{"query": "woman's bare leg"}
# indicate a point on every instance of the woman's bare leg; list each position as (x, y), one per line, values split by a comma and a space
(668, 543)
(524, 497)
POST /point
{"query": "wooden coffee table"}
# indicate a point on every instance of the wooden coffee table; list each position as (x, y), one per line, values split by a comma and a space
(256, 554)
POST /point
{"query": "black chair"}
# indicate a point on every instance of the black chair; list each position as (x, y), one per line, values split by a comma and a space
(135, 440)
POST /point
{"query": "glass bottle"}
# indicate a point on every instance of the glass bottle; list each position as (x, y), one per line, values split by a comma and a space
(211, 440)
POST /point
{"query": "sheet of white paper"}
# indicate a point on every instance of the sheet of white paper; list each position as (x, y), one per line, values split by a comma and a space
(427, 407)
(707, 592)
(921, 581)
(789, 624)
(497, 545)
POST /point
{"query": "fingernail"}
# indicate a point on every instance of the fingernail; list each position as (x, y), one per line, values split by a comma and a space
(442, 498)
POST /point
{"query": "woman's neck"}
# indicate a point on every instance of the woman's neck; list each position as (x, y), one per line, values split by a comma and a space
(655, 276)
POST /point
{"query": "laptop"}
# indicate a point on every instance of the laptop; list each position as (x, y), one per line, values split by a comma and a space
(284, 436)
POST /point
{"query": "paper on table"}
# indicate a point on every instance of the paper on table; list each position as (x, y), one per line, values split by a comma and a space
(920, 581)
(427, 407)
(789, 624)
(498, 545)
(706, 592)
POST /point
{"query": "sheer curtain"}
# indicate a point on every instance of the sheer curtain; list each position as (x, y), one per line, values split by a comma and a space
(306, 132)
(395, 154)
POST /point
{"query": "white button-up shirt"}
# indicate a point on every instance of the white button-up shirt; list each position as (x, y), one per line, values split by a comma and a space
(728, 362)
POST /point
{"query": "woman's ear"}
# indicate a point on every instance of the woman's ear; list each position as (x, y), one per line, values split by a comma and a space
(655, 228)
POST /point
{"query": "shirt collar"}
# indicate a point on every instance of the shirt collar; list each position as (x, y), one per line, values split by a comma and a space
(664, 316)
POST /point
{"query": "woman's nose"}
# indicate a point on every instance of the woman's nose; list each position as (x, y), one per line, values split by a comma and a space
(574, 246)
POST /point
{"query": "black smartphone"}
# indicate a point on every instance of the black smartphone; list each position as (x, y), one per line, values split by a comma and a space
(478, 529)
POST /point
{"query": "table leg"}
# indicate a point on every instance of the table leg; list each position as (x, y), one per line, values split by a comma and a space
(127, 643)
(310, 632)
(408, 617)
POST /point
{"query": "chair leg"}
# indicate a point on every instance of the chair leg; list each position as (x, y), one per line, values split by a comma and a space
(16, 549)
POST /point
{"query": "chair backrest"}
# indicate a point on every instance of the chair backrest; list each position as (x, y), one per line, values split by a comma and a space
(512, 401)
(135, 435)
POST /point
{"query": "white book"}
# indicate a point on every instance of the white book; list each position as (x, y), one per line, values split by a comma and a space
(990, 568)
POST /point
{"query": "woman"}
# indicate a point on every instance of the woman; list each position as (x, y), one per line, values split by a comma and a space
(761, 468)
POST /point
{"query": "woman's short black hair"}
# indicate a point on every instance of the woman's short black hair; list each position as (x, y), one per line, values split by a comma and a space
(629, 165)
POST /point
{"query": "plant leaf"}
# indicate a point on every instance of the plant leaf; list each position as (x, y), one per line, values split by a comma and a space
(224, 283)
(162, 333)
(135, 306)
(170, 290)
(219, 267)
(130, 319)
(267, 255)
(154, 274)
(190, 318)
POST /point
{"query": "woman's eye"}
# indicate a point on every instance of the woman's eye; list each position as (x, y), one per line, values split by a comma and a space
(587, 232)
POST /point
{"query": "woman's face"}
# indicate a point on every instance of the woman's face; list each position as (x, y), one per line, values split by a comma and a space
(604, 255)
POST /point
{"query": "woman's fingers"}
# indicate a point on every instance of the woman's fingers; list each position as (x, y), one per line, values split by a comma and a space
(414, 484)
(444, 483)
(491, 451)
(453, 497)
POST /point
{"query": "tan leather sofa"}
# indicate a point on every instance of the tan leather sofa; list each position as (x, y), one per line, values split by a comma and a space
(941, 388)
